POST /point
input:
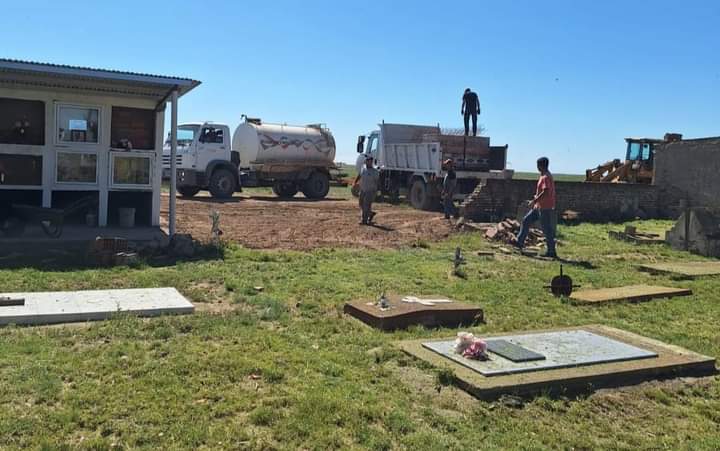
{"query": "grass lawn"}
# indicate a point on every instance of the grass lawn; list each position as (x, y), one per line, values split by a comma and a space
(284, 369)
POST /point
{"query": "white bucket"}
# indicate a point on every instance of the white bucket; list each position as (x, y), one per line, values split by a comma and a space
(126, 217)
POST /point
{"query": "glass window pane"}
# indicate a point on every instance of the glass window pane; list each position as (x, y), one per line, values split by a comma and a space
(131, 170)
(634, 151)
(76, 167)
(77, 124)
(132, 128)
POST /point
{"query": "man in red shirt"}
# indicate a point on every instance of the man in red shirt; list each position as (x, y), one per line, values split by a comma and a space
(542, 208)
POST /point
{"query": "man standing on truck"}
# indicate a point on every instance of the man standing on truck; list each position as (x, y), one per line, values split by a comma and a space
(470, 108)
(368, 181)
(542, 207)
(449, 186)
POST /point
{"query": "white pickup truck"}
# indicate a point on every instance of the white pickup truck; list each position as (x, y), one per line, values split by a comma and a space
(285, 157)
(410, 158)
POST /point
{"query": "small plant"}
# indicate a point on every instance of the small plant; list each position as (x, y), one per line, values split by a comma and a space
(215, 231)
(458, 262)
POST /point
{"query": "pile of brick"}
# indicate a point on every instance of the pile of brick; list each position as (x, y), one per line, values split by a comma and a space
(508, 230)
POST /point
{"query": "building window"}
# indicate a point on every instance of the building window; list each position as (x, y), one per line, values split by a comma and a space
(77, 124)
(76, 167)
(132, 128)
(22, 122)
(20, 170)
(131, 171)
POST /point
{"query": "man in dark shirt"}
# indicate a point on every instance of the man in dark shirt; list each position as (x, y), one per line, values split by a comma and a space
(449, 186)
(470, 108)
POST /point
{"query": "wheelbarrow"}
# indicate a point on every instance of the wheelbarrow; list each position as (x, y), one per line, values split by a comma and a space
(51, 220)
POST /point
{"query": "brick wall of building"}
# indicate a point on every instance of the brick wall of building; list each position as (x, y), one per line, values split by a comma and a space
(688, 169)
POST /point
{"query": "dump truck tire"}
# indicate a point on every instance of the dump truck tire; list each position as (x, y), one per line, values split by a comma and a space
(420, 197)
(188, 191)
(285, 189)
(316, 186)
(222, 184)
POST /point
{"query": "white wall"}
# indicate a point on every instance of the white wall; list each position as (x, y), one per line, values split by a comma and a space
(102, 149)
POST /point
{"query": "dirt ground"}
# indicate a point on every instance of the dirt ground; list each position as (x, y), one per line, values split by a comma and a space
(265, 222)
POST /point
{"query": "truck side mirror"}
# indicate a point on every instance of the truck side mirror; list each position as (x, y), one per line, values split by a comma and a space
(361, 144)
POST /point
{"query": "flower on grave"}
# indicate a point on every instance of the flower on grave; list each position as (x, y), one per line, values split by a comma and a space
(463, 341)
(477, 350)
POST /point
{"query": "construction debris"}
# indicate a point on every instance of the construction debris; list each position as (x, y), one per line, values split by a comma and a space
(697, 231)
(110, 251)
(633, 236)
(507, 231)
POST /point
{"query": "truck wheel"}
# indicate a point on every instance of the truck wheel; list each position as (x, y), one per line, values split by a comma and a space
(420, 197)
(316, 186)
(285, 189)
(188, 191)
(222, 184)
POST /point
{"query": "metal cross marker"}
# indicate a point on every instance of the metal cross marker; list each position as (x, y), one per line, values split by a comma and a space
(427, 302)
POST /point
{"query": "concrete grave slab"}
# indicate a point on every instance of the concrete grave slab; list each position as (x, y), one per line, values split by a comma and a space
(578, 359)
(561, 349)
(77, 306)
(631, 293)
(686, 269)
(406, 311)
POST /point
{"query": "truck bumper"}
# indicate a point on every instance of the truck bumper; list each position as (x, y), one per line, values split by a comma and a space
(190, 177)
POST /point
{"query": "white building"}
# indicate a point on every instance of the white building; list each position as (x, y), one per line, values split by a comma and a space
(70, 133)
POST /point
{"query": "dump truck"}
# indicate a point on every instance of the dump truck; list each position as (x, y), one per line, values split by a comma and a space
(410, 157)
(287, 158)
(638, 165)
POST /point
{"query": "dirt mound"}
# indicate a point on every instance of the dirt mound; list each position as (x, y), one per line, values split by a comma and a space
(300, 224)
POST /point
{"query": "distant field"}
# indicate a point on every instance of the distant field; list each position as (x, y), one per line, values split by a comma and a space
(558, 177)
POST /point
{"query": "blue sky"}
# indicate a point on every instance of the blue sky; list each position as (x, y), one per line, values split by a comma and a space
(565, 79)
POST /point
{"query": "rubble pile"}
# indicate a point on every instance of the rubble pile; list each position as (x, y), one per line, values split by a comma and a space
(508, 230)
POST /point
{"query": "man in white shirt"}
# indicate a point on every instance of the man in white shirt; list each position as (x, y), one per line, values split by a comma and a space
(368, 179)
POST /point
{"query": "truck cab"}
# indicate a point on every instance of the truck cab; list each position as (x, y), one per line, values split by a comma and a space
(204, 160)
(367, 146)
(410, 160)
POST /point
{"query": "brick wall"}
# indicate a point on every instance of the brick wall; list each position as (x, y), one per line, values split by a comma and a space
(594, 201)
(688, 169)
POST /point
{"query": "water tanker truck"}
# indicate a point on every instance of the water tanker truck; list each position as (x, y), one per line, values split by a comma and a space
(286, 158)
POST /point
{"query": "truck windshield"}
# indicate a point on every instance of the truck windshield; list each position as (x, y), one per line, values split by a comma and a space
(186, 135)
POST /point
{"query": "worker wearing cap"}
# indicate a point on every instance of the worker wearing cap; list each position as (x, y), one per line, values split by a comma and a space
(367, 180)
(449, 186)
(542, 207)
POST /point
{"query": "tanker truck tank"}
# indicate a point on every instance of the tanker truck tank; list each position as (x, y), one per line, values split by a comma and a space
(287, 157)
(260, 144)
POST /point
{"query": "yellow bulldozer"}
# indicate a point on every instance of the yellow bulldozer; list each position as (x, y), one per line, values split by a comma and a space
(638, 164)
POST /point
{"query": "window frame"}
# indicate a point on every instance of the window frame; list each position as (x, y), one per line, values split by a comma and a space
(81, 152)
(58, 142)
(130, 154)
